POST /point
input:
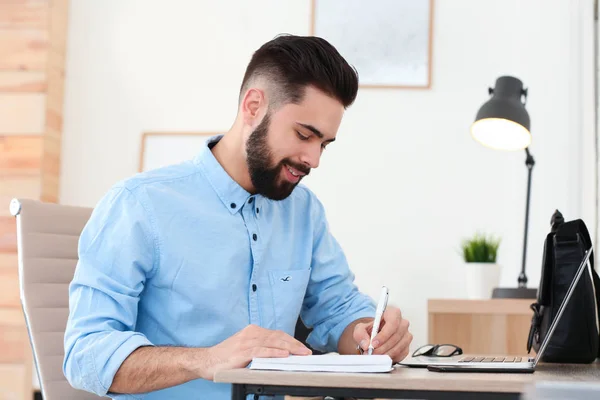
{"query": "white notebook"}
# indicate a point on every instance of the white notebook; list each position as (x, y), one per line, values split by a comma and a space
(326, 363)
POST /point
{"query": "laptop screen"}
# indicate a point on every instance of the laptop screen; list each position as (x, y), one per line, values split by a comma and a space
(582, 267)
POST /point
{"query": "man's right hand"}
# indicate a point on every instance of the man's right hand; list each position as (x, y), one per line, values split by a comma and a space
(252, 341)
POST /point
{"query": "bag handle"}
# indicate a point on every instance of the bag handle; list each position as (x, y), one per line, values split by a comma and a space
(534, 329)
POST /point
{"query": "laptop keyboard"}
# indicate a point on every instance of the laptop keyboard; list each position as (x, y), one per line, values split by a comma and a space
(493, 359)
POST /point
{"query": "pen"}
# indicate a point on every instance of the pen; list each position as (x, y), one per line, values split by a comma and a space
(383, 299)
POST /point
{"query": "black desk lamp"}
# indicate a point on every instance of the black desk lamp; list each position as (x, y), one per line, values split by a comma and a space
(503, 123)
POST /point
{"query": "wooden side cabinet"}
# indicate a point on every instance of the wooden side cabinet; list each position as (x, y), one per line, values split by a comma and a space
(495, 326)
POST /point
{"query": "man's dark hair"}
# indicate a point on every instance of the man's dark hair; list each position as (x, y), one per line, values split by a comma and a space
(291, 63)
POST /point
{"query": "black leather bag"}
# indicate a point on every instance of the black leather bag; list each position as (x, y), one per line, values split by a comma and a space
(576, 338)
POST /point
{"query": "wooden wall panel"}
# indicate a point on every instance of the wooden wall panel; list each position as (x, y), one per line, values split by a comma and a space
(54, 100)
(12, 318)
(22, 82)
(8, 238)
(14, 341)
(9, 289)
(24, 14)
(13, 379)
(20, 156)
(32, 58)
(7, 260)
(23, 49)
(22, 113)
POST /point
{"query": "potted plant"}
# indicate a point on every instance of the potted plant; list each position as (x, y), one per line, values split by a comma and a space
(482, 271)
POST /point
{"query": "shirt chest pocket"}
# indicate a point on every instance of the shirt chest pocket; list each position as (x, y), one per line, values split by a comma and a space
(288, 288)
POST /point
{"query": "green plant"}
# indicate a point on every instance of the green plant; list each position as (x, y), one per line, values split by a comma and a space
(480, 248)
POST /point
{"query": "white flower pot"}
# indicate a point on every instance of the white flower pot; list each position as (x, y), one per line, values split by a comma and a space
(481, 279)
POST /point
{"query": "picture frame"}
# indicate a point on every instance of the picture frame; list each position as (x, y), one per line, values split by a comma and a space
(389, 42)
(159, 149)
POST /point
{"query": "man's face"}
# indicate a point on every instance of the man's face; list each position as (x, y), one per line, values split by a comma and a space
(288, 143)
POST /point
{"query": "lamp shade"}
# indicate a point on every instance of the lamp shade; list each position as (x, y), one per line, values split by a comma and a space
(503, 122)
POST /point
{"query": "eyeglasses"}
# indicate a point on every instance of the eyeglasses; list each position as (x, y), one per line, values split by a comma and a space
(438, 350)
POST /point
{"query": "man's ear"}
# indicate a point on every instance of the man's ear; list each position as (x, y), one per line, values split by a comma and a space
(253, 107)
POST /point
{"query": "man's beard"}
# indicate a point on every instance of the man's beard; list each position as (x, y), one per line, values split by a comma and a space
(265, 177)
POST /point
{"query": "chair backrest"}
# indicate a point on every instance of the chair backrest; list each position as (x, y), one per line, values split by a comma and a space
(47, 241)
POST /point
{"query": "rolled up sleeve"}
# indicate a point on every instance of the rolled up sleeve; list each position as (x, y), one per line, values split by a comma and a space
(118, 252)
(332, 299)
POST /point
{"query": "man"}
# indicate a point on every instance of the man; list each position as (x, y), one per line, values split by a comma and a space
(201, 266)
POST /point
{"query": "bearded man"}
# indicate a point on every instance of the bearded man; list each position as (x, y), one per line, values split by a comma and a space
(201, 266)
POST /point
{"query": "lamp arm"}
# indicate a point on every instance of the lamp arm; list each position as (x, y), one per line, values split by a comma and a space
(529, 163)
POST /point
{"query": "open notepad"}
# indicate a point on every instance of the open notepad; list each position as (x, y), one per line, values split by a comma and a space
(326, 363)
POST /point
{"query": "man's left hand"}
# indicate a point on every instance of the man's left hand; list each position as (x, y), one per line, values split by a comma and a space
(393, 338)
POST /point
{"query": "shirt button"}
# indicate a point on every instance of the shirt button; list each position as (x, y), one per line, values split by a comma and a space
(254, 237)
(250, 200)
(254, 287)
(233, 205)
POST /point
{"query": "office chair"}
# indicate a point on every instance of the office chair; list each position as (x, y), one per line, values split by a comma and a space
(47, 240)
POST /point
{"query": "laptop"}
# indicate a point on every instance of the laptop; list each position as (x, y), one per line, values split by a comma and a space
(482, 363)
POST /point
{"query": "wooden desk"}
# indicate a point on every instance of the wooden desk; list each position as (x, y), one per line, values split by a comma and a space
(496, 326)
(403, 382)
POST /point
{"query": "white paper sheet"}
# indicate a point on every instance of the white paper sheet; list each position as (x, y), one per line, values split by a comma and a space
(326, 363)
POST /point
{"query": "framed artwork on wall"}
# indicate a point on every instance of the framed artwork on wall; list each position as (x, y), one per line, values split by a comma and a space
(389, 42)
(159, 149)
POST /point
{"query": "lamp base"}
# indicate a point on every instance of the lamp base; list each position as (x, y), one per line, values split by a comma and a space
(514, 293)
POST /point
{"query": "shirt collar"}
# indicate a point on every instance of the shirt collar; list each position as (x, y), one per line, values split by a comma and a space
(229, 191)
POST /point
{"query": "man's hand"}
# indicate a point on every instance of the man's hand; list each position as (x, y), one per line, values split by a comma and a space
(252, 341)
(393, 338)
(151, 368)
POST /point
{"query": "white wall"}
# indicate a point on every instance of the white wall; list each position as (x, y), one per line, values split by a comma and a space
(405, 182)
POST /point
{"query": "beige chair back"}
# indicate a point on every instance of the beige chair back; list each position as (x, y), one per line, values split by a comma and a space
(47, 240)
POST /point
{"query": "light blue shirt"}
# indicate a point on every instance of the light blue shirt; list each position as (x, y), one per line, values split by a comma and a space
(184, 256)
